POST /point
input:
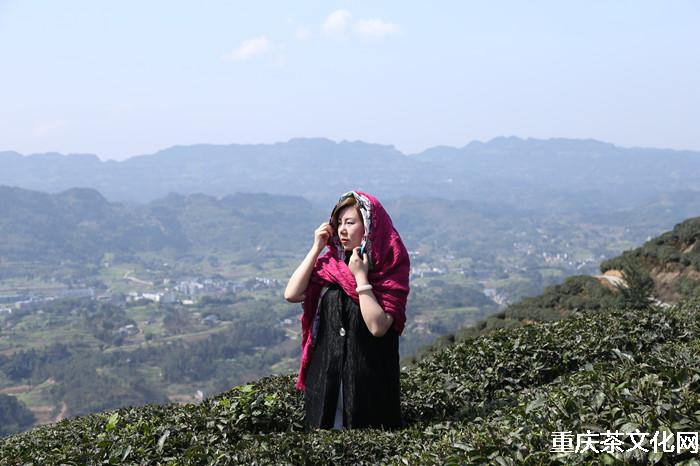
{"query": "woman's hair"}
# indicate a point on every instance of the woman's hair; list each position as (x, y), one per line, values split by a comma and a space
(348, 201)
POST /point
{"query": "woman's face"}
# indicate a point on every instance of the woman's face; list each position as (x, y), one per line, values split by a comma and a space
(350, 227)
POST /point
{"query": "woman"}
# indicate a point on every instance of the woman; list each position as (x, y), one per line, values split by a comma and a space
(354, 303)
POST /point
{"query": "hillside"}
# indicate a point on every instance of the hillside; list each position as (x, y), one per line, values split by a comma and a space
(81, 225)
(70, 235)
(672, 260)
(669, 262)
(495, 399)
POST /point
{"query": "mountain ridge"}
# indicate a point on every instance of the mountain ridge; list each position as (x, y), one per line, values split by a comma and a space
(511, 170)
(497, 141)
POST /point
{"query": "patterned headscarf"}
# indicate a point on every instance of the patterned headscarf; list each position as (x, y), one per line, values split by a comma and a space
(388, 273)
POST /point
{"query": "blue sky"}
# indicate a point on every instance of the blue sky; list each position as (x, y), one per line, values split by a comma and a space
(123, 78)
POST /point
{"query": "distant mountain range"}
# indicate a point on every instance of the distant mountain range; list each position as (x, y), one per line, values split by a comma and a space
(79, 224)
(555, 174)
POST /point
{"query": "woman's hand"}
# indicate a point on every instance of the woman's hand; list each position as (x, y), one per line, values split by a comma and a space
(359, 266)
(322, 235)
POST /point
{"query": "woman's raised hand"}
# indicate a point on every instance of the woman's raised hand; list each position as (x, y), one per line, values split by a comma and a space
(322, 235)
(359, 265)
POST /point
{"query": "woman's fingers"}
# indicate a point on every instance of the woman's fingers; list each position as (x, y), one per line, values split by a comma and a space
(326, 227)
(321, 234)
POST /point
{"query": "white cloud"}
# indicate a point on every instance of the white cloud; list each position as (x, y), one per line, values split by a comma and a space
(340, 24)
(374, 28)
(336, 23)
(249, 48)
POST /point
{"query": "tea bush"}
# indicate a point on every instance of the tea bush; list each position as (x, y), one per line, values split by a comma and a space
(495, 399)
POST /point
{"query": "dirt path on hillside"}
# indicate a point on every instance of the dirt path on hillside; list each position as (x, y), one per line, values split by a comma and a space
(64, 412)
(16, 390)
(612, 279)
(127, 276)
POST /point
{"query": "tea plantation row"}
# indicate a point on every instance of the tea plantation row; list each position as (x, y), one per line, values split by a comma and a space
(495, 399)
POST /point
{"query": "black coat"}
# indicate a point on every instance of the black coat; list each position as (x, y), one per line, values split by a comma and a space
(367, 365)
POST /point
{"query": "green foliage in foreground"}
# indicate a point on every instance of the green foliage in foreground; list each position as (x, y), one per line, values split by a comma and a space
(496, 399)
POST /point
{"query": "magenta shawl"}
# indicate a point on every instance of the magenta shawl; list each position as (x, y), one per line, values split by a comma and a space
(388, 273)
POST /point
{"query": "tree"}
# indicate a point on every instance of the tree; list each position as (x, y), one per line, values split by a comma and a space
(14, 416)
(637, 291)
